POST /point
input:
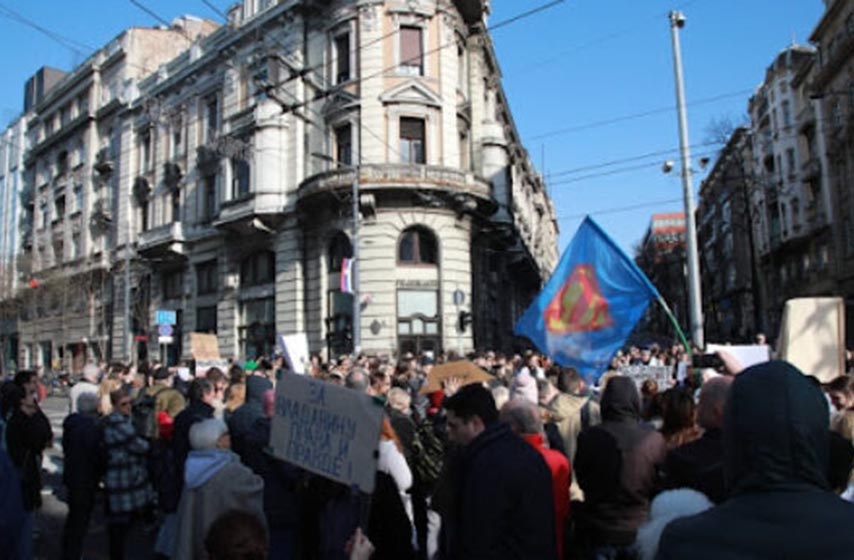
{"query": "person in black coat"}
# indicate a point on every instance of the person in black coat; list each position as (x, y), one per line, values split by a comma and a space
(83, 466)
(778, 504)
(241, 422)
(28, 434)
(700, 463)
(503, 500)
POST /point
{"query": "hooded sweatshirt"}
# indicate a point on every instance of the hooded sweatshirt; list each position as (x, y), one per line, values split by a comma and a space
(214, 482)
(775, 437)
(616, 467)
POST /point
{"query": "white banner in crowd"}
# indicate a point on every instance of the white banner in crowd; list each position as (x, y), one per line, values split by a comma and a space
(326, 429)
(746, 354)
(662, 375)
(294, 347)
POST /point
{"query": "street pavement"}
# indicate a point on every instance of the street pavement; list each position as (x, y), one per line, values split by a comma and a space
(51, 517)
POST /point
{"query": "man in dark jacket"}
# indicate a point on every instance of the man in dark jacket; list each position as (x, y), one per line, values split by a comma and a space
(700, 463)
(201, 394)
(503, 487)
(84, 453)
(616, 464)
(241, 423)
(778, 505)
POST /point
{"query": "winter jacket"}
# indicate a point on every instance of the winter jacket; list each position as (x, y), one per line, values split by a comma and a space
(83, 451)
(281, 505)
(196, 411)
(166, 399)
(26, 439)
(775, 441)
(240, 423)
(560, 471)
(215, 482)
(698, 465)
(572, 413)
(12, 514)
(126, 480)
(504, 503)
(616, 465)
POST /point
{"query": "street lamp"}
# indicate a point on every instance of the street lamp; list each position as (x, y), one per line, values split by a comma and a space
(695, 310)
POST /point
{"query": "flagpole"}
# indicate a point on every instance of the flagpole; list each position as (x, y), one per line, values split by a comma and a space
(679, 333)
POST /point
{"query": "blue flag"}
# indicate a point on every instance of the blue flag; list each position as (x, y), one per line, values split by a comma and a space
(589, 305)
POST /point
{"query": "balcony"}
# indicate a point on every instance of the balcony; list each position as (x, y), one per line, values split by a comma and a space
(250, 213)
(162, 242)
(435, 185)
(104, 164)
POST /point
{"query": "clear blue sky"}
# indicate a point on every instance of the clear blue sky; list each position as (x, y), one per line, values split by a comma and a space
(577, 64)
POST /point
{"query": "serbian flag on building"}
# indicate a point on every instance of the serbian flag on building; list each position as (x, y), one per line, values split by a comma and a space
(346, 283)
(590, 304)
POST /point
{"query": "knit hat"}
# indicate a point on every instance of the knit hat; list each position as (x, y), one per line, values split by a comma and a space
(205, 434)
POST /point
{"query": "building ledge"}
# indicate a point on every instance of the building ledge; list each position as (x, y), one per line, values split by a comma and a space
(162, 241)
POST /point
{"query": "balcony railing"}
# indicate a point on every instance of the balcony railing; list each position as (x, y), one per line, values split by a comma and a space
(168, 238)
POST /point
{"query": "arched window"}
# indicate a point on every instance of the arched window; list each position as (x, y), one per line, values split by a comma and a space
(417, 245)
(340, 248)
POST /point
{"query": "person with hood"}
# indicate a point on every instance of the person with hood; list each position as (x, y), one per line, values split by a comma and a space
(215, 482)
(775, 446)
(616, 464)
(241, 422)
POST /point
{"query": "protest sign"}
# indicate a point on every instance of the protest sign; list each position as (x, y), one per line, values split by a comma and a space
(746, 354)
(294, 348)
(326, 429)
(205, 350)
(812, 336)
(464, 370)
(662, 375)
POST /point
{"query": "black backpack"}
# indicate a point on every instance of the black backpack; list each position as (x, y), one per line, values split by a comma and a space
(144, 415)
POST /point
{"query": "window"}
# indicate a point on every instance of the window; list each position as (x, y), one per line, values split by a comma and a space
(145, 152)
(80, 154)
(340, 248)
(411, 52)
(790, 161)
(239, 178)
(59, 208)
(343, 145)
(412, 140)
(257, 327)
(787, 114)
(211, 118)
(177, 138)
(45, 213)
(257, 269)
(417, 245)
(342, 58)
(208, 197)
(173, 284)
(62, 162)
(206, 319)
(76, 246)
(206, 278)
(58, 250)
(176, 205)
(78, 198)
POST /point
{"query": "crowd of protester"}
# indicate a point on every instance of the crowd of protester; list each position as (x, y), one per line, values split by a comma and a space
(536, 463)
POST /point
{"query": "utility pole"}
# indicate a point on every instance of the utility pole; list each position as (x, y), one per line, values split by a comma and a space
(695, 309)
(357, 310)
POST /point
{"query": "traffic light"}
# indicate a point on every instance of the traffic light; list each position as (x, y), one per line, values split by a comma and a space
(463, 321)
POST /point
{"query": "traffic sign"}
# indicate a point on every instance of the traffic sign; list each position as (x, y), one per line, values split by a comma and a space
(164, 330)
(165, 340)
(166, 317)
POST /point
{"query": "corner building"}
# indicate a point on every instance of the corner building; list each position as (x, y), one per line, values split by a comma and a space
(236, 198)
